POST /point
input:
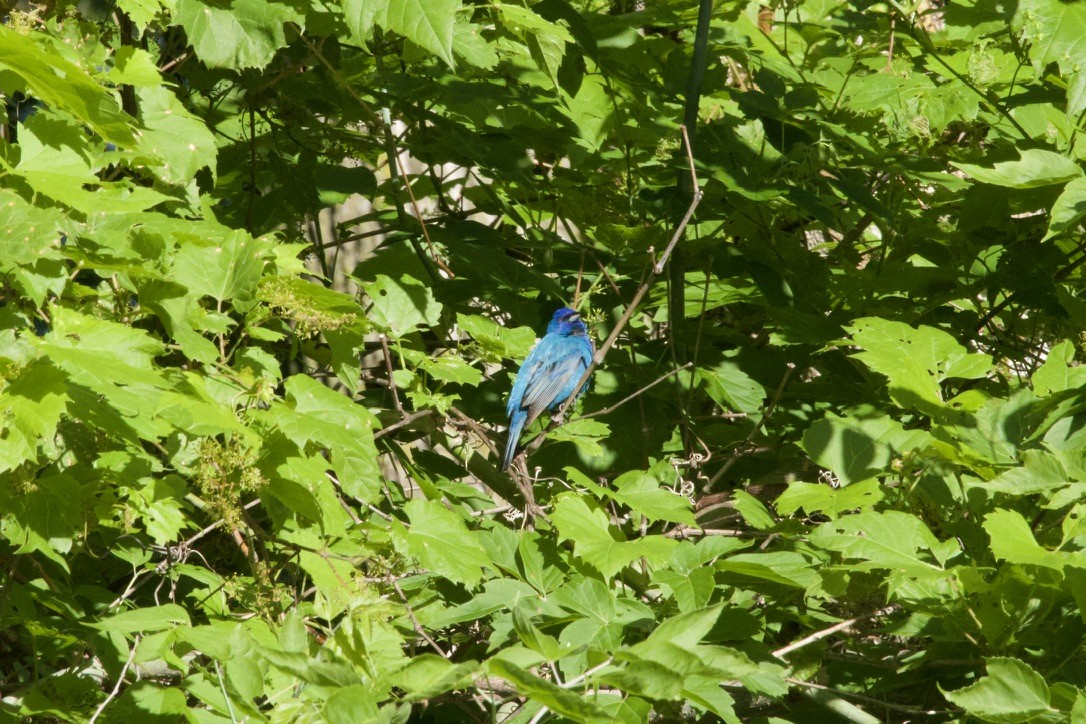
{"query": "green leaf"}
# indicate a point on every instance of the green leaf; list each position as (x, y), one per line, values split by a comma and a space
(135, 66)
(643, 493)
(442, 543)
(176, 142)
(587, 527)
(1012, 692)
(754, 512)
(545, 645)
(1036, 167)
(144, 701)
(27, 232)
(732, 388)
(1069, 208)
(583, 432)
(352, 703)
(142, 12)
(53, 163)
(225, 268)
(61, 84)
(591, 110)
(236, 33)
(1013, 541)
(142, 620)
(45, 517)
(450, 368)
(1057, 374)
(915, 360)
(332, 420)
(176, 308)
(1055, 32)
(427, 23)
(502, 342)
(30, 408)
(856, 449)
(1040, 472)
(427, 675)
(402, 305)
(360, 15)
(101, 354)
(786, 568)
(823, 498)
(335, 184)
(892, 539)
(471, 46)
(546, 41)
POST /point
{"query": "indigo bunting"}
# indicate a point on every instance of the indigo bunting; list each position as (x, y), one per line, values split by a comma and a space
(548, 375)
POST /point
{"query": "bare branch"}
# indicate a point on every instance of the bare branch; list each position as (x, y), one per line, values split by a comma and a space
(644, 389)
(836, 628)
(120, 679)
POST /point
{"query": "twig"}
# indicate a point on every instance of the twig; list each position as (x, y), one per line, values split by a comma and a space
(655, 271)
(890, 50)
(581, 677)
(476, 428)
(179, 59)
(866, 699)
(225, 695)
(415, 622)
(682, 531)
(117, 686)
(828, 698)
(842, 626)
(402, 423)
(251, 504)
(754, 431)
(644, 389)
(418, 215)
(388, 367)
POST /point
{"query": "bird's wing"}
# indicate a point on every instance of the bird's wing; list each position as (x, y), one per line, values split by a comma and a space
(562, 365)
(528, 371)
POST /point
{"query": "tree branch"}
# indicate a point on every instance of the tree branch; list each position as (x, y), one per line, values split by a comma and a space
(655, 271)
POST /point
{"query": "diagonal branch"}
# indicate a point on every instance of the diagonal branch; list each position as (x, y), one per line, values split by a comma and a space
(632, 395)
(654, 271)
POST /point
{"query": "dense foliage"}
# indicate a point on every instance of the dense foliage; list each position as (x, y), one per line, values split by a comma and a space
(248, 459)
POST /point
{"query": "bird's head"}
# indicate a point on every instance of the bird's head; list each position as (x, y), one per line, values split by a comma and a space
(566, 322)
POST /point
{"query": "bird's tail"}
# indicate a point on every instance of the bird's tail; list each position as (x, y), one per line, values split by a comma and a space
(516, 425)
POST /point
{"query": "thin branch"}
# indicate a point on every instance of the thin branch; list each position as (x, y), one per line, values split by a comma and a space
(643, 390)
(842, 626)
(538, 716)
(754, 431)
(391, 381)
(828, 698)
(581, 677)
(655, 271)
(251, 504)
(683, 531)
(402, 423)
(120, 680)
(173, 63)
(866, 699)
(476, 428)
(415, 622)
(225, 695)
(422, 222)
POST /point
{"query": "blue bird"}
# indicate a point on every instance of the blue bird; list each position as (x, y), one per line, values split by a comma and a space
(548, 375)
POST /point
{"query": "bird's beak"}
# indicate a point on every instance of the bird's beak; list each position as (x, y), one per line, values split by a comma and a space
(575, 318)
